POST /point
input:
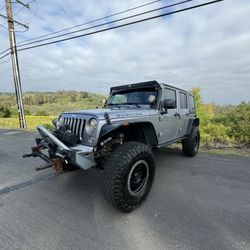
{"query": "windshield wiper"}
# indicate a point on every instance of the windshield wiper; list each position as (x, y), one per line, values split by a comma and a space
(132, 103)
(124, 104)
(114, 105)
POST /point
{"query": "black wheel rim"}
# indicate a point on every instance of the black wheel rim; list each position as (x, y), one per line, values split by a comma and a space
(196, 142)
(138, 177)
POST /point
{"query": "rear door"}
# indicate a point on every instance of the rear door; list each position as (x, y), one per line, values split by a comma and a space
(183, 113)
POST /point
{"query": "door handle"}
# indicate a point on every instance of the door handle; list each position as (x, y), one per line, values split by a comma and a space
(177, 114)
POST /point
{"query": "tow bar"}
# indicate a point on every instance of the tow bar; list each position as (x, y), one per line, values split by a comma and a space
(56, 163)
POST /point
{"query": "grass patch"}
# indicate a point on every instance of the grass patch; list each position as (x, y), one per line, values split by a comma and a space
(243, 152)
(32, 122)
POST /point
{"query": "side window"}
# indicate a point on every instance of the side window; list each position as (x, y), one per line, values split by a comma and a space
(191, 103)
(170, 94)
(183, 100)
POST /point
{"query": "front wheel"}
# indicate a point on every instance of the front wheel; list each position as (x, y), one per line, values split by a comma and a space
(190, 145)
(128, 176)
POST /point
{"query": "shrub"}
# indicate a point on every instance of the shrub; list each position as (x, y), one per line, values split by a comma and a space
(215, 134)
(84, 94)
(5, 112)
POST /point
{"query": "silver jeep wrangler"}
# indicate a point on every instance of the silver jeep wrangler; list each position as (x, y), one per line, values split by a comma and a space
(119, 138)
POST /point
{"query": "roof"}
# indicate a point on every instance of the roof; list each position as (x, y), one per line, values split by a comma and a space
(148, 84)
(171, 86)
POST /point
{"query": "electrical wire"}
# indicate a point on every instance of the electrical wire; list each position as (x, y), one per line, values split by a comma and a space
(28, 19)
(15, 13)
(5, 61)
(4, 22)
(92, 21)
(119, 26)
(5, 28)
(35, 12)
(95, 26)
(107, 23)
(122, 25)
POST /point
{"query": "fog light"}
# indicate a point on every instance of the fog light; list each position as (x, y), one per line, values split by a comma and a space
(91, 139)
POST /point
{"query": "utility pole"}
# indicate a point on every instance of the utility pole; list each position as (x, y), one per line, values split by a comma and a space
(14, 59)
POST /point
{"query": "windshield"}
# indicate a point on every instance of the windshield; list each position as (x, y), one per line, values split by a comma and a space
(134, 97)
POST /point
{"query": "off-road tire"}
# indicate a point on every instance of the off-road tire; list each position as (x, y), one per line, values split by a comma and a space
(190, 145)
(120, 176)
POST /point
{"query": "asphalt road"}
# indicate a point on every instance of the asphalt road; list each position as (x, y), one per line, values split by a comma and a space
(195, 203)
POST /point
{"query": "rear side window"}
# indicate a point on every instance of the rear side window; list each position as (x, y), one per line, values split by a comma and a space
(183, 101)
(191, 103)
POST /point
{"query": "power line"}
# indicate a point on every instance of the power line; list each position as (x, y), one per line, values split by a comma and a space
(122, 25)
(4, 55)
(107, 23)
(115, 27)
(6, 61)
(95, 26)
(16, 12)
(93, 21)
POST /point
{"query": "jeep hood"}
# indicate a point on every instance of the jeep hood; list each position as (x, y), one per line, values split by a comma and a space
(114, 113)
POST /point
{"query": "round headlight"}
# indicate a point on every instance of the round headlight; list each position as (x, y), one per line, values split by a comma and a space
(92, 125)
(58, 121)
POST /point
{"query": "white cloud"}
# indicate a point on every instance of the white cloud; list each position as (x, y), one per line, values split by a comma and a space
(207, 47)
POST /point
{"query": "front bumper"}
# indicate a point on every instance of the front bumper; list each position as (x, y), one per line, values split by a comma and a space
(79, 155)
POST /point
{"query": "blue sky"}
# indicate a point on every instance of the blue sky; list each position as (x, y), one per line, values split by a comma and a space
(208, 47)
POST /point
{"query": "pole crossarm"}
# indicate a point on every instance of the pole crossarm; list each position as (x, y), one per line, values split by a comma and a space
(14, 21)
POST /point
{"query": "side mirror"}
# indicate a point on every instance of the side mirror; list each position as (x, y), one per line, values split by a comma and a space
(169, 104)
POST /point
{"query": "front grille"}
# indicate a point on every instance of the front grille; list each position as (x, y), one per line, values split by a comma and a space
(76, 125)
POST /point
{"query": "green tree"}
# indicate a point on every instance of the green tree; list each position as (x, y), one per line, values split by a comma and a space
(238, 121)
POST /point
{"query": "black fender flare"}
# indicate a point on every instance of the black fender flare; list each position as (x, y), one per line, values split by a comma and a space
(146, 128)
(195, 122)
(109, 127)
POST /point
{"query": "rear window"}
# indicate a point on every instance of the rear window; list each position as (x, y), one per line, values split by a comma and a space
(191, 103)
(183, 101)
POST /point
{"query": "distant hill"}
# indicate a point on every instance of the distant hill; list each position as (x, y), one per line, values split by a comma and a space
(51, 103)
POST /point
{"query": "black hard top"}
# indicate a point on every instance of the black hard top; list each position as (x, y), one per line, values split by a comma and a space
(147, 84)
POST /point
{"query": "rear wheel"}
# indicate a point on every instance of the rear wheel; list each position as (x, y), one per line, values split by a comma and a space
(128, 176)
(190, 145)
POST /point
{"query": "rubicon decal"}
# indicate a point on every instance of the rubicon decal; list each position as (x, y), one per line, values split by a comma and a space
(128, 115)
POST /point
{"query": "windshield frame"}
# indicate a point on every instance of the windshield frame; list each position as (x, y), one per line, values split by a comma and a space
(134, 90)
